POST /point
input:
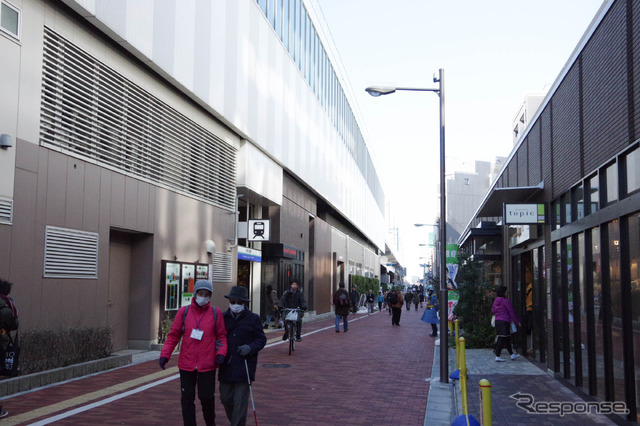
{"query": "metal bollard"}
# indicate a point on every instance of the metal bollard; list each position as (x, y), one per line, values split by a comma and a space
(485, 402)
(463, 378)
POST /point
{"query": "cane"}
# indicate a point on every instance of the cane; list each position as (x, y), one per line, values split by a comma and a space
(253, 405)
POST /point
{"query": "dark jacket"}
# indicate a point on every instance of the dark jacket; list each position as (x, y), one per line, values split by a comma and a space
(371, 298)
(245, 329)
(341, 310)
(293, 300)
(7, 323)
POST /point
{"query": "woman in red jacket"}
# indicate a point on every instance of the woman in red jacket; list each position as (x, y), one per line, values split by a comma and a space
(203, 349)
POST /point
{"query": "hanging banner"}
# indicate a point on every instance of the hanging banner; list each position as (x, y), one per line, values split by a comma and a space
(452, 298)
(452, 266)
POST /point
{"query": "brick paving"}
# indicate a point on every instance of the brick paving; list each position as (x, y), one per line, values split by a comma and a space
(374, 374)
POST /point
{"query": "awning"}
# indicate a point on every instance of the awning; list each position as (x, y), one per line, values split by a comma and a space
(492, 206)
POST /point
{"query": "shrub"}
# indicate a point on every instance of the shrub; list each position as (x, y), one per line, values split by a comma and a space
(42, 350)
(474, 307)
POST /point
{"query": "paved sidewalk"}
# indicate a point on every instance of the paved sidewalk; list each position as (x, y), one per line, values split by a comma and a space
(519, 376)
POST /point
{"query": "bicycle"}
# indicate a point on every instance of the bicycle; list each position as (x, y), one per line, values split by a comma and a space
(291, 316)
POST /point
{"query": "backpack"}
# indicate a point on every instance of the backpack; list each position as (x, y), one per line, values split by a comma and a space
(186, 309)
(393, 298)
(343, 300)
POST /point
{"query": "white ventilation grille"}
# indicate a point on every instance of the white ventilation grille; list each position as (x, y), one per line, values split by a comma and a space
(92, 112)
(69, 253)
(6, 211)
(222, 268)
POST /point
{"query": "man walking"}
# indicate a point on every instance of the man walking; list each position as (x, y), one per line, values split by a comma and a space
(371, 300)
(396, 306)
(245, 337)
(355, 298)
(342, 303)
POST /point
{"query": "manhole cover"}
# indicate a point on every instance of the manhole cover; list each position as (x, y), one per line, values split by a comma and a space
(275, 365)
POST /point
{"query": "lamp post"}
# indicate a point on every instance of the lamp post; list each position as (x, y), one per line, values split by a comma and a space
(444, 347)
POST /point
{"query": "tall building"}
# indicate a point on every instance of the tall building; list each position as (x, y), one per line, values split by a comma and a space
(567, 203)
(145, 145)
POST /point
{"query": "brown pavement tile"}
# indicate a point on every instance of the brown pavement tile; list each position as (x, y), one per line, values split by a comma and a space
(374, 374)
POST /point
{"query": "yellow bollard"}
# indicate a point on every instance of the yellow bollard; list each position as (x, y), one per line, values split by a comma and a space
(450, 326)
(463, 378)
(485, 402)
(457, 340)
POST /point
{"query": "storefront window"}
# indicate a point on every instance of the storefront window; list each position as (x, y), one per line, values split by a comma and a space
(633, 171)
(634, 262)
(586, 304)
(616, 309)
(596, 265)
(568, 330)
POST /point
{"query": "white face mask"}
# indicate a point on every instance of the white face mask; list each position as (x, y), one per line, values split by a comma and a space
(202, 300)
(236, 309)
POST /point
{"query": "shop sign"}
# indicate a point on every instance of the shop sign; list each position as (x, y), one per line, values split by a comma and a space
(523, 214)
(246, 253)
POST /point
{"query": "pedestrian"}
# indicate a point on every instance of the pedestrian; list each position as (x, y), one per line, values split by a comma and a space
(371, 300)
(396, 300)
(380, 301)
(355, 298)
(8, 322)
(416, 300)
(504, 315)
(342, 304)
(271, 307)
(291, 299)
(430, 315)
(408, 297)
(245, 338)
(421, 299)
(388, 299)
(203, 350)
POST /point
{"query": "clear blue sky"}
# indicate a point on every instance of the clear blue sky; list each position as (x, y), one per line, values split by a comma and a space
(493, 52)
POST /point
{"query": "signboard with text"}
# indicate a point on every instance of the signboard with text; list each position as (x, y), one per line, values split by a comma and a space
(524, 214)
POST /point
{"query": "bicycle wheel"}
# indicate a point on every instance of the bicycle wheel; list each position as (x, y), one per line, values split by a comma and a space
(291, 338)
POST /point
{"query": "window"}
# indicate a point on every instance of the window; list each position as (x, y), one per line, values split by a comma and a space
(10, 20)
(594, 198)
(633, 170)
(611, 175)
(579, 200)
(466, 181)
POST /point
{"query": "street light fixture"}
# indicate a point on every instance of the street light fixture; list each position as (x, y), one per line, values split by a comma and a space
(444, 347)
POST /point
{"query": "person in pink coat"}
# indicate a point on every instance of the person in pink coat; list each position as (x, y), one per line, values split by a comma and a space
(203, 350)
(504, 314)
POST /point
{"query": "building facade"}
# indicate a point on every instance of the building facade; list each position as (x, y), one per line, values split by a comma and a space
(148, 145)
(574, 277)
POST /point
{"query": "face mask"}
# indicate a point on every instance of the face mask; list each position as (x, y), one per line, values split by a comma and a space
(236, 309)
(202, 300)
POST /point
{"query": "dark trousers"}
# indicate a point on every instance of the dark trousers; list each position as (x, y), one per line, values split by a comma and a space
(235, 399)
(395, 315)
(434, 329)
(206, 383)
(504, 337)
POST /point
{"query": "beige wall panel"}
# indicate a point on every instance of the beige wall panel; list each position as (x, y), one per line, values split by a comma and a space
(91, 198)
(117, 200)
(130, 200)
(56, 175)
(75, 193)
(143, 208)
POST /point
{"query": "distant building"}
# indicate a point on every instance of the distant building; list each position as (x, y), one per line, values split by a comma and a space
(527, 110)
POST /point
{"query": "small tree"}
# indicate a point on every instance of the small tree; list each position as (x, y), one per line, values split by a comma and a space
(474, 306)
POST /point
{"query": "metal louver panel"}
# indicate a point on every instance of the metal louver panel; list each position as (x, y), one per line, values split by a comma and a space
(92, 112)
(69, 253)
(222, 268)
(6, 211)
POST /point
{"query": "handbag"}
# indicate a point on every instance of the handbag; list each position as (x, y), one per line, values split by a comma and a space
(11, 365)
(493, 320)
(514, 328)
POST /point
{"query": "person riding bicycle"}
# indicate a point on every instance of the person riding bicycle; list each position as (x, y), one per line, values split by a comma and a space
(291, 299)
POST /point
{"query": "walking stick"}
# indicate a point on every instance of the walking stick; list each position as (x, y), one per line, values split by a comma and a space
(253, 405)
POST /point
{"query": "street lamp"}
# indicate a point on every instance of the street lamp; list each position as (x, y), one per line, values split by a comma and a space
(444, 347)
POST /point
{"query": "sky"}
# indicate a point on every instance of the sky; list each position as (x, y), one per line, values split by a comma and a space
(493, 52)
